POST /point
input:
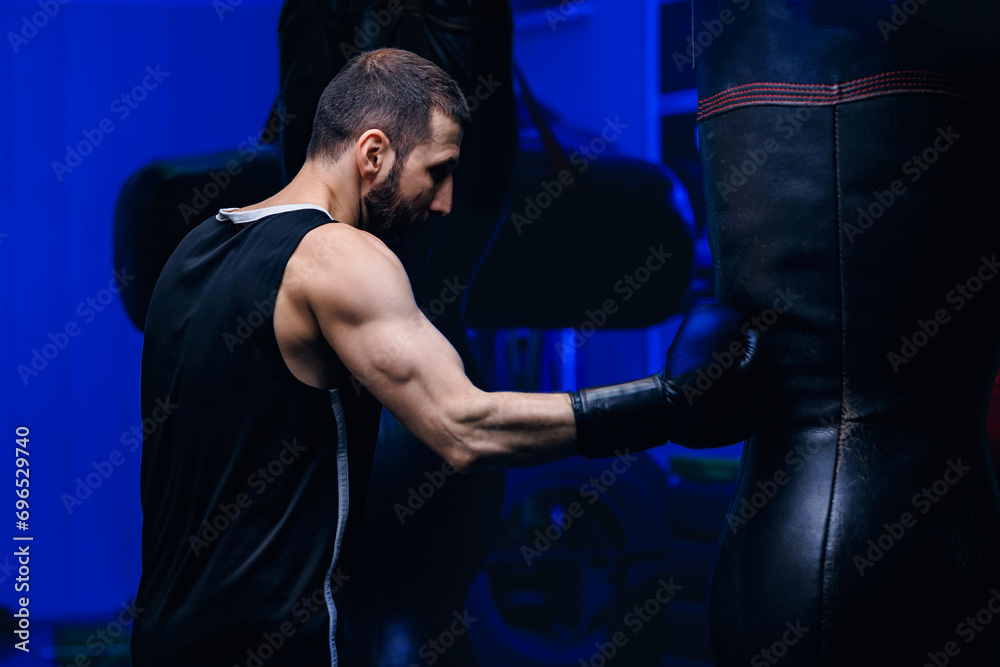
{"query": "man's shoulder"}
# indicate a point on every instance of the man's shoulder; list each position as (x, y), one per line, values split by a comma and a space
(336, 234)
(339, 245)
(338, 259)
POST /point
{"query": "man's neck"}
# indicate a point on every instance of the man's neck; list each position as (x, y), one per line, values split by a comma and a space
(311, 187)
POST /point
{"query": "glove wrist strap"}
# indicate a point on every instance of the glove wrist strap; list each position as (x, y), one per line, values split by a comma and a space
(611, 419)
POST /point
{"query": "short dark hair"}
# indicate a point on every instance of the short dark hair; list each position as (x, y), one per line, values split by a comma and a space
(390, 90)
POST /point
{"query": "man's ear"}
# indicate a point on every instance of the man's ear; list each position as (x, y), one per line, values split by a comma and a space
(373, 154)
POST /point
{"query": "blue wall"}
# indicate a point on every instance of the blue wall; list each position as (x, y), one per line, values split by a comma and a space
(58, 84)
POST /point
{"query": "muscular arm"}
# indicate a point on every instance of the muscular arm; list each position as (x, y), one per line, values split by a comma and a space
(361, 298)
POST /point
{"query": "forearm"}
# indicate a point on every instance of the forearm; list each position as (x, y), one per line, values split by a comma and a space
(701, 398)
(513, 430)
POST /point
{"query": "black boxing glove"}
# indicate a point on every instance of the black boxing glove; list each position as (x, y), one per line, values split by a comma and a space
(703, 397)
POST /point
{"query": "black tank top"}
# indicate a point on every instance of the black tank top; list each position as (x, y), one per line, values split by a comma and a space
(245, 469)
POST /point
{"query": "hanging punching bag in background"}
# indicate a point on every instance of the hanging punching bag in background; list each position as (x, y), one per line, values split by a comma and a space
(850, 155)
(415, 559)
(165, 199)
(595, 218)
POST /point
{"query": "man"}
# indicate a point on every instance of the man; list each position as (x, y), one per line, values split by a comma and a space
(273, 337)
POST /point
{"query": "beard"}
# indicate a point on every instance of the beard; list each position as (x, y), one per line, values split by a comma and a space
(384, 212)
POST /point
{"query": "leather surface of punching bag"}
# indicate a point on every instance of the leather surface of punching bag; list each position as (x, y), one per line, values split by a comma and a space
(164, 200)
(425, 531)
(851, 159)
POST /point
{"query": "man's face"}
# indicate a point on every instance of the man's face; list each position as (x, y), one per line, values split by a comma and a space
(415, 188)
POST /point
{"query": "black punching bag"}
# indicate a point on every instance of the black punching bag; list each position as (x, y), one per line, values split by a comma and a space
(424, 533)
(167, 198)
(851, 161)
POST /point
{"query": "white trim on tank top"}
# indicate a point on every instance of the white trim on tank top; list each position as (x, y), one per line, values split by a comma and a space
(242, 217)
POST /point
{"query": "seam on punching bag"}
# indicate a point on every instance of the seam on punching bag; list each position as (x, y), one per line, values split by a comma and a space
(928, 79)
(909, 75)
(878, 90)
(694, 58)
(824, 624)
(712, 234)
(890, 83)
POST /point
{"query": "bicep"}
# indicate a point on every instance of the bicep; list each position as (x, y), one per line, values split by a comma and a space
(400, 357)
(376, 329)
